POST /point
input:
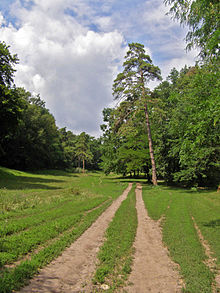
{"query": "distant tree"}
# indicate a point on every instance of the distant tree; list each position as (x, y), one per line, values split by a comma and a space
(130, 85)
(82, 150)
(35, 142)
(68, 140)
(95, 148)
(109, 144)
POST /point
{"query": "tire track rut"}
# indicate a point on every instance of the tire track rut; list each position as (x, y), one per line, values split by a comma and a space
(152, 270)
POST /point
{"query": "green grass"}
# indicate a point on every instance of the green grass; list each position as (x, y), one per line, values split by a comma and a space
(115, 255)
(20, 191)
(43, 213)
(179, 235)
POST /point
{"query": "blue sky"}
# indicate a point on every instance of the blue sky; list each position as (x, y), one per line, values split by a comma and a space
(70, 51)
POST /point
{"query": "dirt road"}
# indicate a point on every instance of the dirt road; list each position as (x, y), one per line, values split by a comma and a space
(152, 269)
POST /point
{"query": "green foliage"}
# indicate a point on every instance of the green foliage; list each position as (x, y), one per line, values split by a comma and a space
(202, 17)
(10, 105)
(35, 142)
(82, 150)
(7, 62)
(196, 128)
(186, 127)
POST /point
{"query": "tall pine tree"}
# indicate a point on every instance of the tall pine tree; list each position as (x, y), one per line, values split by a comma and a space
(130, 85)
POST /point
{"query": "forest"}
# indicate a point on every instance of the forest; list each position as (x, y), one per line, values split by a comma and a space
(170, 133)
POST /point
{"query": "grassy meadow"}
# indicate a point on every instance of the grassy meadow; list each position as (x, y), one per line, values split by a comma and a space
(43, 213)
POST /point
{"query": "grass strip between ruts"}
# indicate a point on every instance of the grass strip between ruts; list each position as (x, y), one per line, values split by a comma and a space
(115, 255)
(16, 278)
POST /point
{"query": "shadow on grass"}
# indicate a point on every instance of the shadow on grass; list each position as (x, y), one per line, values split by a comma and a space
(54, 173)
(213, 224)
(12, 181)
(26, 183)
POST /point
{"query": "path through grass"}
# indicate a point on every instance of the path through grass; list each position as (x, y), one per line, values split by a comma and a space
(41, 214)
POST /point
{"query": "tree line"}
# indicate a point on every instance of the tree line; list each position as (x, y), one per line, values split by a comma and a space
(184, 114)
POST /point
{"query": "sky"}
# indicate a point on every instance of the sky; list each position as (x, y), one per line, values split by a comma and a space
(70, 51)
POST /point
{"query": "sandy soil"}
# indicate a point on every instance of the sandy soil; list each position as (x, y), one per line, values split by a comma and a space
(152, 269)
(73, 270)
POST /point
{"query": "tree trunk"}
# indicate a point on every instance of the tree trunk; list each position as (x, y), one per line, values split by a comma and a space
(151, 150)
(83, 165)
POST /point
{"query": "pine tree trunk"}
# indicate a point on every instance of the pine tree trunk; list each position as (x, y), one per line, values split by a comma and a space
(151, 150)
(83, 166)
(154, 172)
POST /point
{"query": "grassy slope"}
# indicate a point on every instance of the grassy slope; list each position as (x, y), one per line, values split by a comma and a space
(46, 210)
(179, 234)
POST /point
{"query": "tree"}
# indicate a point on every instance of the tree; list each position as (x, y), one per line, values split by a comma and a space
(130, 85)
(167, 164)
(109, 144)
(203, 19)
(194, 126)
(68, 140)
(35, 142)
(10, 104)
(7, 62)
(82, 150)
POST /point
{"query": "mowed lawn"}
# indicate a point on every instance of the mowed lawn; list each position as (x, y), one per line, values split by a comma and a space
(179, 207)
(42, 213)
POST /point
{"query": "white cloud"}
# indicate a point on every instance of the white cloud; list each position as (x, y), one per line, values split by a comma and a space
(70, 66)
